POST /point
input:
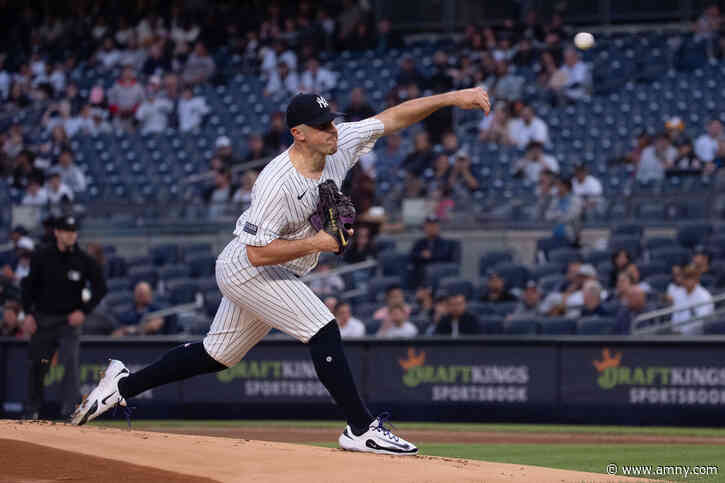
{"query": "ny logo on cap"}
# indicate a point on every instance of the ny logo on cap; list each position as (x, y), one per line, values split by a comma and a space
(322, 102)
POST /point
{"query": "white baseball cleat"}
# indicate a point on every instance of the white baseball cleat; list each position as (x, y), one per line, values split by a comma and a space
(377, 439)
(103, 397)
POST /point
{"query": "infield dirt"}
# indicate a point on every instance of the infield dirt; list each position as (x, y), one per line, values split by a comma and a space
(47, 452)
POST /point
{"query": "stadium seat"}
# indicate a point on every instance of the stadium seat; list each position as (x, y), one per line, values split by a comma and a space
(393, 263)
(212, 299)
(181, 291)
(436, 271)
(202, 266)
(596, 257)
(658, 282)
(378, 286)
(515, 275)
(671, 256)
(143, 273)
(521, 327)
(655, 267)
(164, 254)
(658, 242)
(595, 325)
(170, 272)
(632, 244)
(116, 284)
(491, 325)
(628, 230)
(557, 326)
(714, 327)
(550, 283)
(138, 261)
(118, 297)
(492, 258)
(695, 234)
(456, 285)
(116, 267)
(563, 256)
(537, 272)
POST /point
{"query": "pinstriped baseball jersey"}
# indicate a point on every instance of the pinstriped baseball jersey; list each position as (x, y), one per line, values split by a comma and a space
(258, 298)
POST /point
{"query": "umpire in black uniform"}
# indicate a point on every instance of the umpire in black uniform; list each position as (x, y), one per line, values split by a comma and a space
(55, 311)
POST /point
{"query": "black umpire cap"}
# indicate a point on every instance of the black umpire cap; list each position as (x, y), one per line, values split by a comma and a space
(66, 223)
(310, 109)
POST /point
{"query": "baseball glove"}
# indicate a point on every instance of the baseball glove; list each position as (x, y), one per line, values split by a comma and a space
(335, 214)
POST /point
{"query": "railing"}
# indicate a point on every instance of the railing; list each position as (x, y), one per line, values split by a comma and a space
(660, 321)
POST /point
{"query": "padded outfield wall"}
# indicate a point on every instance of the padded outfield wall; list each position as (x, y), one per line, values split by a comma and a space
(591, 380)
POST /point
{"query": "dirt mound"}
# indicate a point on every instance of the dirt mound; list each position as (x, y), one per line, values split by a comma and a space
(236, 460)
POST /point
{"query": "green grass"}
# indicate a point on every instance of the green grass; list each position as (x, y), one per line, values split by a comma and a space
(518, 428)
(586, 457)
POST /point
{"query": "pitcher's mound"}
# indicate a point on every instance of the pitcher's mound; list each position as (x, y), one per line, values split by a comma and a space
(93, 454)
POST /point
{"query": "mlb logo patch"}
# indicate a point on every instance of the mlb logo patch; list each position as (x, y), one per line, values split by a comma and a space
(250, 228)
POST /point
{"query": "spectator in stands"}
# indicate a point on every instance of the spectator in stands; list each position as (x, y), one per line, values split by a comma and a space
(400, 326)
(135, 322)
(108, 56)
(225, 153)
(710, 147)
(21, 267)
(359, 108)
(98, 124)
(386, 38)
(154, 111)
(59, 194)
(674, 285)
(633, 271)
(256, 148)
(565, 211)
(331, 302)
(692, 294)
(278, 137)
(494, 126)
(317, 79)
(461, 180)
(577, 78)
(529, 305)
(430, 249)
(588, 188)
(35, 194)
(394, 296)
(124, 97)
(701, 260)
(133, 55)
(409, 73)
(621, 259)
(545, 192)
(423, 310)
(157, 62)
(524, 130)
(441, 173)
(243, 195)
(350, 327)
(70, 174)
(505, 85)
(459, 321)
(569, 298)
(496, 290)
(191, 110)
(282, 81)
(535, 160)
(655, 160)
(221, 193)
(328, 284)
(592, 300)
(11, 324)
(199, 67)
(362, 247)
(422, 156)
(634, 303)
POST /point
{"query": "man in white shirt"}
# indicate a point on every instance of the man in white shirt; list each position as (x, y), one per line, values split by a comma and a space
(692, 293)
(401, 327)
(57, 191)
(282, 81)
(153, 113)
(70, 174)
(528, 128)
(350, 327)
(578, 78)
(326, 285)
(711, 145)
(192, 110)
(587, 187)
(655, 160)
(534, 162)
(316, 78)
(35, 194)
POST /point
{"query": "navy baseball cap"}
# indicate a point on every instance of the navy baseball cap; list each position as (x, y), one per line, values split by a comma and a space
(67, 223)
(310, 109)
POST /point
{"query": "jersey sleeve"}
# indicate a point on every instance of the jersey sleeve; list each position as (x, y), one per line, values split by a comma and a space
(357, 138)
(262, 223)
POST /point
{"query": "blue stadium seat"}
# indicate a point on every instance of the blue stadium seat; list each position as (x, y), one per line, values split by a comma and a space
(715, 328)
(695, 234)
(456, 285)
(212, 299)
(202, 266)
(393, 263)
(515, 275)
(491, 325)
(489, 259)
(628, 230)
(116, 267)
(658, 242)
(434, 272)
(632, 244)
(521, 327)
(143, 273)
(118, 297)
(537, 272)
(563, 256)
(557, 326)
(138, 261)
(655, 267)
(181, 291)
(116, 284)
(550, 283)
(596, 257)
(196, 249)
(595, 325)
(378, 286)
(170, 272)
(671, 256)
(166, 253)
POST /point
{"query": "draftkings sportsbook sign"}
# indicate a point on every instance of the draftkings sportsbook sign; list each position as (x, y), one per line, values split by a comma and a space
(636, 376)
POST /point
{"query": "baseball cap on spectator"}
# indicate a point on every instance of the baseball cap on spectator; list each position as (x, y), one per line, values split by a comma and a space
(587, 270)
(701, 250)
(67, 223)
(26, 243)
(222, 142)
(675, 123)
(531, 284)
(310, 109)
(20, 230)
(432, 219)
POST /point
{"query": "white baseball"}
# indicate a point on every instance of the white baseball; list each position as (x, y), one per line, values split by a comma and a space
(584, 40)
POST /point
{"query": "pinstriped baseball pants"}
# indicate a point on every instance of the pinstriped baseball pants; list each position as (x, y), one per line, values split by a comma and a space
(274, 298)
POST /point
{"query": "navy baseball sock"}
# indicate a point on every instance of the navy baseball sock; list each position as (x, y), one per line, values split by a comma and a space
(334, 373)
(179, 363)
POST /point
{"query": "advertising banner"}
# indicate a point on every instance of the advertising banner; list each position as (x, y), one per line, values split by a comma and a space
(464, 374)
(634, 375)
